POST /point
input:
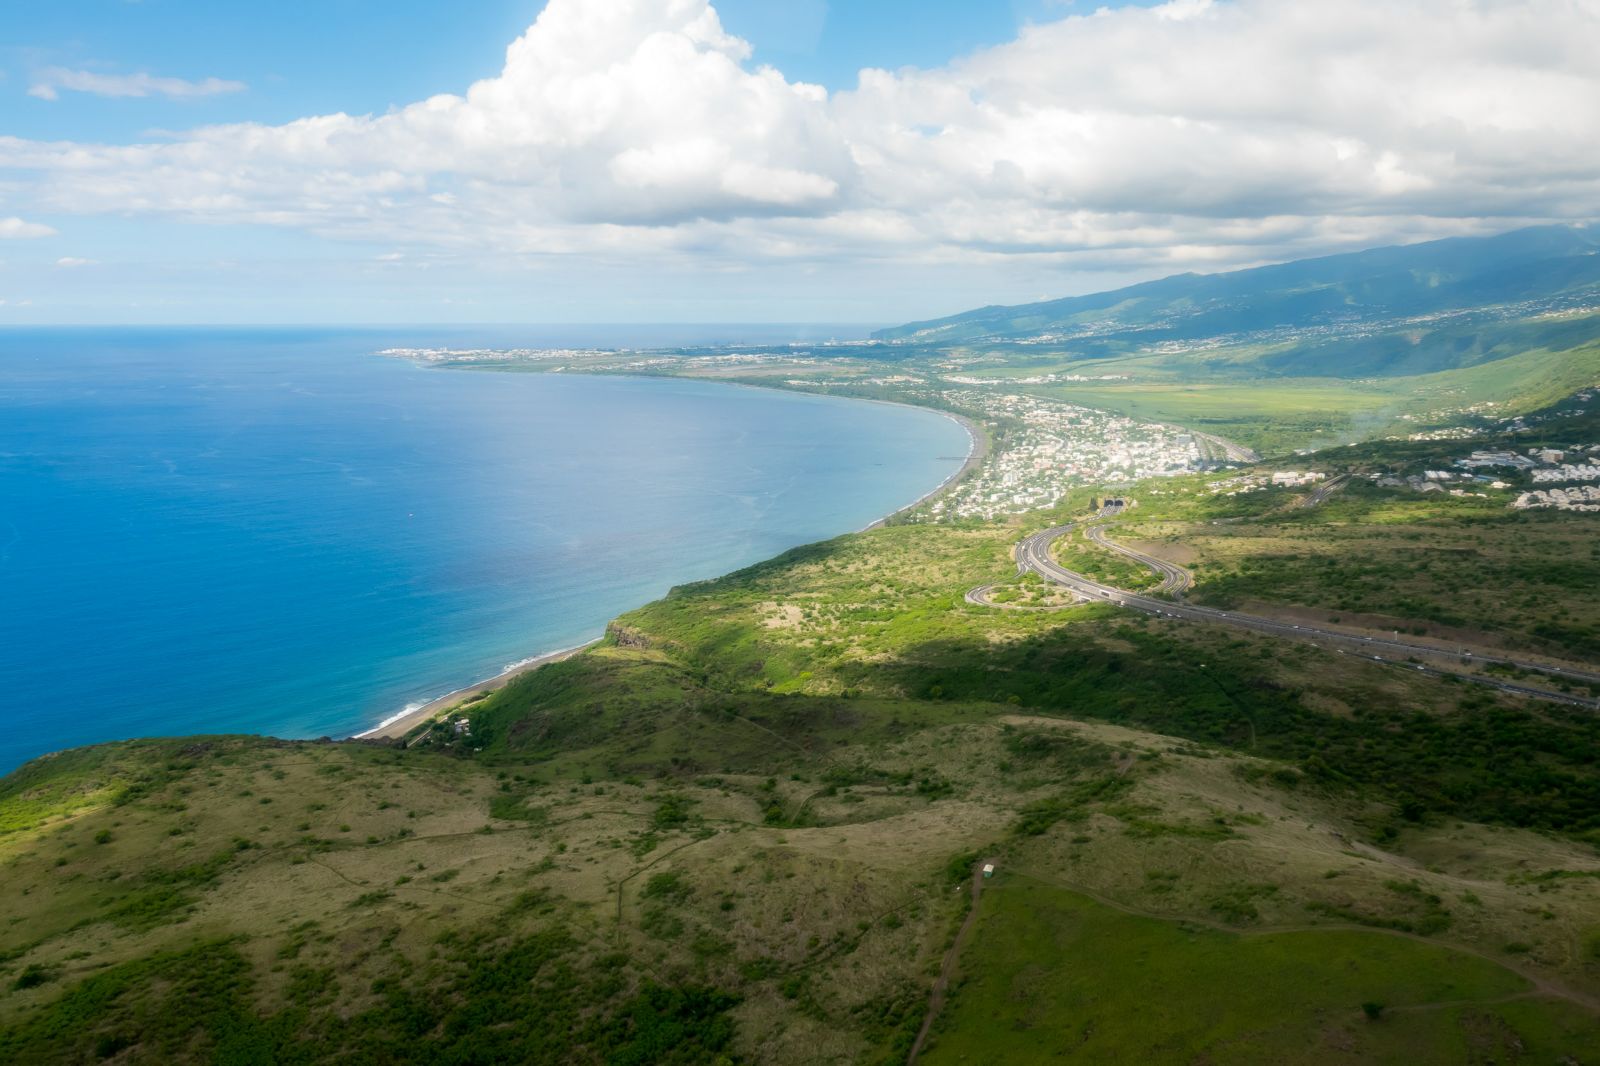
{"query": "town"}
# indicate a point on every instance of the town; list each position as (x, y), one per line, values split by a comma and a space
(1044, 447)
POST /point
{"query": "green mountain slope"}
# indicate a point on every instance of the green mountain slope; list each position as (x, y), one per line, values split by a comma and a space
(1520, 273)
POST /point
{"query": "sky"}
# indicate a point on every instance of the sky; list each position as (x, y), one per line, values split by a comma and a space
(865, 161)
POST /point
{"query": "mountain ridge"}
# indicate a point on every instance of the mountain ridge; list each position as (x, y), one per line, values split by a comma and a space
(1454, 273)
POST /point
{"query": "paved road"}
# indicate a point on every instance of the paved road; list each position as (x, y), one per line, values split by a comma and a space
(1230, 451)
(1175, 580)
(1034, 554)
(983, 596)
(1321, 494)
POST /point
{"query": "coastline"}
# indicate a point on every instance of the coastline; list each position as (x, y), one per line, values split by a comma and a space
(977, 440)
(397, 726)
(977, 452)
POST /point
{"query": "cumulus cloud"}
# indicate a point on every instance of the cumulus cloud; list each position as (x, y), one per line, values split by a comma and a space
(607, 112)
(1200, 132)
(18, 229)
(50, 83)
(1223, 120)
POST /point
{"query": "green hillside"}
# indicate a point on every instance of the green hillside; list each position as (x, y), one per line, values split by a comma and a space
(1389, 311)
(747, 826)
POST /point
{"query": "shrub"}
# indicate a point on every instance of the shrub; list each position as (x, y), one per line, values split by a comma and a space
(513, 808)
(32, 977)
(668, 886)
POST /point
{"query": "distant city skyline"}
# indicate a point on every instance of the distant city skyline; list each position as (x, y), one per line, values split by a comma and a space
(753, 160)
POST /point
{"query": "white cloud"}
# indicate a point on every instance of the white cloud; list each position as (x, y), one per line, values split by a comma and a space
(1201, 132)
(69, 261)
(49, 84)
(17, 229)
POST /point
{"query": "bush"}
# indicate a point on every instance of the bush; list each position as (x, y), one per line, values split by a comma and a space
(959, 868)
(513, 808)
(673, 812)
(32, 977)
(669, 887)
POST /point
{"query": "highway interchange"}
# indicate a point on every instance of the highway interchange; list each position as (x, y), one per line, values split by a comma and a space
(1033, 555)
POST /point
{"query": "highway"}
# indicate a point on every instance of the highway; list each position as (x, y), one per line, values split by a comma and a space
(1321, 494)
(1210, 444)
(1033, 554)
(1175, 580)
(982, 596)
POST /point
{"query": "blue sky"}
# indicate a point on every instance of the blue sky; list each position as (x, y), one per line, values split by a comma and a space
(369, 55)
(1037, 148)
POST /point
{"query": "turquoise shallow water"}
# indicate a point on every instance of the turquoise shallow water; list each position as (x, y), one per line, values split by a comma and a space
(280, 532)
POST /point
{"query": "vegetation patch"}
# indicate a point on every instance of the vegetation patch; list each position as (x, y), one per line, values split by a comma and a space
(1150, 993)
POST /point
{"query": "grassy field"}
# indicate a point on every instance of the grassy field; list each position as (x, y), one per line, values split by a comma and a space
(421, 903)
(1057, 977)
(1272, 415)
(1276, 414)
(610, 902)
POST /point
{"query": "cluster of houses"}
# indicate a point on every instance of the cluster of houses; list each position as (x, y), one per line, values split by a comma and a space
(1564, 467)
(1574, 498)
(1278, 479)
(1034, 379)
(1548, 466)
(1437, 481)
(1567, 472)
(1480, 459)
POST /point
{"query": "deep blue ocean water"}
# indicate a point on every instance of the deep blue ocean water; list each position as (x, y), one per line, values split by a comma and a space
(279, 532)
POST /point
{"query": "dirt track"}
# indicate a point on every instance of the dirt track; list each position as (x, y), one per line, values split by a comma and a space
(942, 986)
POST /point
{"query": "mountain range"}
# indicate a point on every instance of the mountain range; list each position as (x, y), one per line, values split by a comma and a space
(1451, 298)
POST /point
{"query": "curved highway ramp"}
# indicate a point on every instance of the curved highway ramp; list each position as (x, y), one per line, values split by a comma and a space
(1033, 554)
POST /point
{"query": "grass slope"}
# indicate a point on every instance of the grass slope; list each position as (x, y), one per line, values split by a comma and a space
(1056, 976)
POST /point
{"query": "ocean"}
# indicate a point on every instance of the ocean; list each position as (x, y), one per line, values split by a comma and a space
(281, 532)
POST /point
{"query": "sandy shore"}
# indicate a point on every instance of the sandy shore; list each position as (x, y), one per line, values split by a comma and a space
(403, 723)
